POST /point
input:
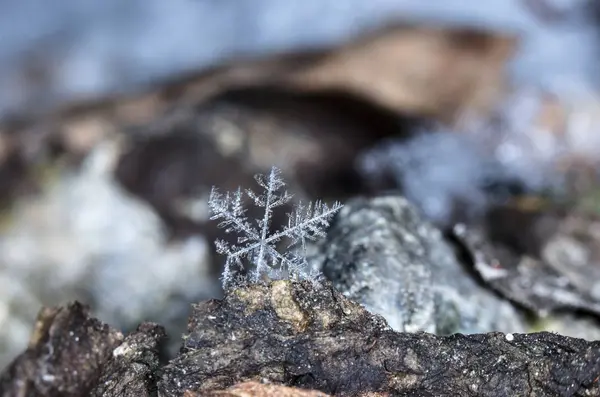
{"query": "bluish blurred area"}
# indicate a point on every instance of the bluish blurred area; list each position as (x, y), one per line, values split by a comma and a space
(76, 49)
(107, 204)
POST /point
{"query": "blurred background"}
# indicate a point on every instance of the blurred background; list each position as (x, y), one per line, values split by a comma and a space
(116, 118)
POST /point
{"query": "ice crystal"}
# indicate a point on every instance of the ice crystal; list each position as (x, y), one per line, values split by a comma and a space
(256, 244)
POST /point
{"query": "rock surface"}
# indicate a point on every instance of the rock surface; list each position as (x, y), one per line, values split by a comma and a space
(313, 337)
(301, 335)
(67, 351)
(85, 238)
(380, 253)
(539, 284)
(134, 364)
(256, 389)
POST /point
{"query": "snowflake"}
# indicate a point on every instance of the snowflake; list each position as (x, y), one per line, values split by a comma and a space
(256, 244)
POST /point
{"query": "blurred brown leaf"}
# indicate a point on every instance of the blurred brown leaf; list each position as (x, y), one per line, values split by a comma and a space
(427, 71)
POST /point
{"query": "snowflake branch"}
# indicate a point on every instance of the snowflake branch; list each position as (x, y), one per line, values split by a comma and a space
(257, 245)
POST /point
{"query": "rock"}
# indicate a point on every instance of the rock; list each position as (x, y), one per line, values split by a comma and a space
(574, 251)
(132, 369)
(255, 389)
(543, 286)
(313, 337)
(85, 238)
(66, 355)
(380, 253)
(543, 260)
(296, 339)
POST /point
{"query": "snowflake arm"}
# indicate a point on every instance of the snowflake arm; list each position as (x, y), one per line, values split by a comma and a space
(255, 243)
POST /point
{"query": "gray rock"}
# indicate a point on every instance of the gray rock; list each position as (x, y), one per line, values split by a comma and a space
(530, 281)
(554, 274)
(381, 254)
(84, 237)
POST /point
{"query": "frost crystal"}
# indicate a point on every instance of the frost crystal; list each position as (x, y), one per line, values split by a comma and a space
(256, 244)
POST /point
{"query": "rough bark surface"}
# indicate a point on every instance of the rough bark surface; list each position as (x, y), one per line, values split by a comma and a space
(67, 353)
(313, 337)
(132, 369)
(300, 335)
